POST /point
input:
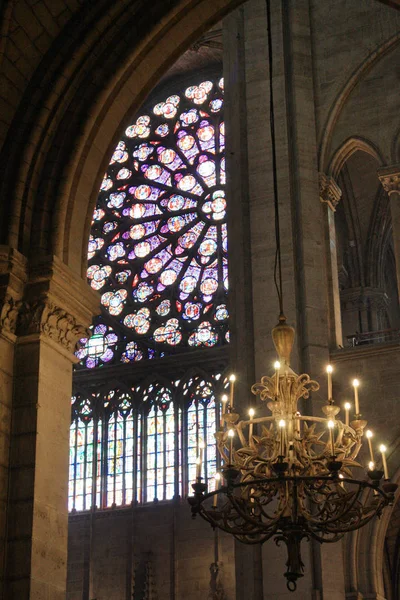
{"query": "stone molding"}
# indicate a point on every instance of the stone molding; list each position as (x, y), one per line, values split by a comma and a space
(390, 179)
(329, 191)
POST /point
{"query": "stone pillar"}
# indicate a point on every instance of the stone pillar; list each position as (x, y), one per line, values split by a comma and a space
(56, 311)
(302, 228)
(390, 180)
(330, 194)
(12, 282)
(248, 567)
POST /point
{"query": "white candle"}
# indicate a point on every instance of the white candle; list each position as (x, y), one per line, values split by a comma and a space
(224, 400)
(231, 434)
(200, 459)
(329, 370)
(277, 366)
(369, 435)
(347, 408)
(331, 425)
(217, 485)
(282, 425)
(356, 383)
(251, 415)
(382, 449)
(198, 468)
(232, 379)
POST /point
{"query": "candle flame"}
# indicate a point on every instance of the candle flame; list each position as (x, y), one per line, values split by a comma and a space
(329, 369)
(231, 433)
(252, 412)
(277, 365)
(371, 465)
(347, 406)
(369, 433)
(224, 398)
(232, 378)
(331, 424)
(382, 448)
(282, 423)
(356, 383)
(217, 476)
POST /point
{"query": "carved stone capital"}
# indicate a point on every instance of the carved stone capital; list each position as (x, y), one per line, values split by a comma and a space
(390, 179)
(46, 318)
(58, 304)
(329, 191)
(9, 314)
(13, 277)
(44, 298)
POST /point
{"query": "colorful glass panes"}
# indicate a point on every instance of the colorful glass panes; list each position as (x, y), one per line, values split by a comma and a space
(99, 348)
(131, 446)
(158, 244)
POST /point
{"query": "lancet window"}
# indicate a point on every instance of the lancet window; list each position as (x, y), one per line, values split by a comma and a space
(141, 445)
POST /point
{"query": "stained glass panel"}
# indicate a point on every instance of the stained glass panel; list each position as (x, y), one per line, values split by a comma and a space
(158, 245)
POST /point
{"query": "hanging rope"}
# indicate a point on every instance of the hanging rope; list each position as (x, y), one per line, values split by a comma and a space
(278, 263)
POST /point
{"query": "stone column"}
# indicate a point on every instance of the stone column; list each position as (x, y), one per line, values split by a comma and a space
(390, 180)
(248, 567)
(56, 311)
(330, 194)
(12, 282)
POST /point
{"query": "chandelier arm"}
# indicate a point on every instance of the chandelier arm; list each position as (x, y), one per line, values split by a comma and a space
(246, 517)
(355, 499)
(357, 525)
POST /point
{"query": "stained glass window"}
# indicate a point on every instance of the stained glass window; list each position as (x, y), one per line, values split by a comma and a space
(158, 245)
(85, 456)
(142, 446)
(158, 257)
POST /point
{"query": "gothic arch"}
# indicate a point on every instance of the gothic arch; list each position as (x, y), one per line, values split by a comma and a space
(347, 149)
(364, 555)
(341, 99)
(73, 109)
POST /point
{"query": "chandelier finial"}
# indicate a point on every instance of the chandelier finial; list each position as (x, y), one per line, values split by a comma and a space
(283, 338)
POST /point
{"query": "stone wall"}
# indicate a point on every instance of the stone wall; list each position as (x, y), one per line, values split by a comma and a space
(111, 551)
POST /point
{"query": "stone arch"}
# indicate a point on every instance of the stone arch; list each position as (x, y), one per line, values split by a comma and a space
(364, 548)
(341, 99)
(74, 117)
(347, 149)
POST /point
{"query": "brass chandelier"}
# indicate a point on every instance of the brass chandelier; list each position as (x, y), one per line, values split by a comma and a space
(294, 478)
(284, 475)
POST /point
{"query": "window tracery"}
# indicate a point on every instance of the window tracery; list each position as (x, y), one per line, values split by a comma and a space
(158, 245)
(158, 256)
(141, 444)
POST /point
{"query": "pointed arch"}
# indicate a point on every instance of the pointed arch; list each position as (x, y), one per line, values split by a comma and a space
(342, 97)
(347, 149)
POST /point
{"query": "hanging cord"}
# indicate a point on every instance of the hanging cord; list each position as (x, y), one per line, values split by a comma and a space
(278, 263)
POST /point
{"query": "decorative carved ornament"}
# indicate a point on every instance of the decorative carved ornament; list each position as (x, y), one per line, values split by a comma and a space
(45, 317)
(390, 179)
(216, 588)
(9, 314)
(329, 191)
